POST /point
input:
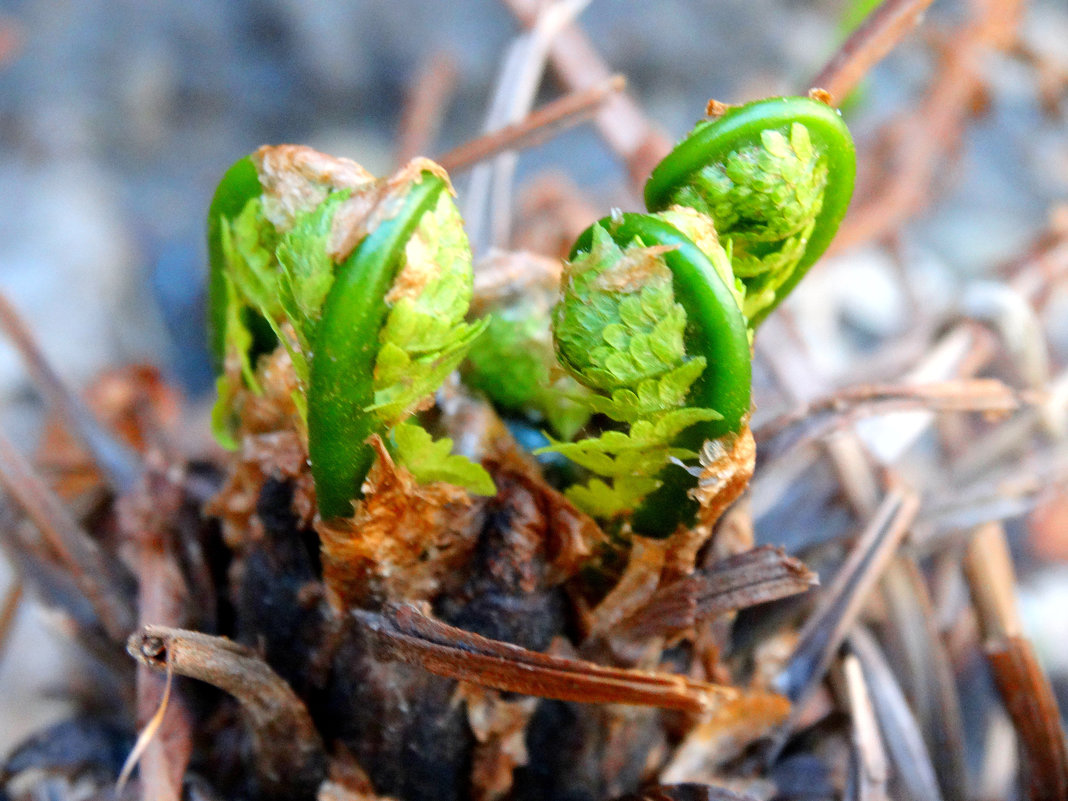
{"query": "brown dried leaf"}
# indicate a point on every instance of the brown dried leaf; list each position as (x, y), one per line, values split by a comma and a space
(374, 204)
(296, 179)
(499, 727)
(404, 540)
(755, 577)
(271, 447)
(569, 537)
(751, 716)
(727, 464)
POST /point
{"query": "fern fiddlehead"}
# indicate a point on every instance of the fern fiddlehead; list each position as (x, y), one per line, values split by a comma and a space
(657, 311)
(775, 176)
(366, 285)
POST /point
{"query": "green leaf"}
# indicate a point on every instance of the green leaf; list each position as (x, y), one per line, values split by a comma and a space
(431, 460)
(306, 271)
(425, 337)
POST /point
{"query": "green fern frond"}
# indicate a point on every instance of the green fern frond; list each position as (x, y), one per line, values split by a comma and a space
(431, 460)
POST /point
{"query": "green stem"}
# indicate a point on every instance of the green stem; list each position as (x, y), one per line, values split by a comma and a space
(346, 346)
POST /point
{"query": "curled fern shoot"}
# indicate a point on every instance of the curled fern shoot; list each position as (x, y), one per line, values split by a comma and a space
(648, 322)
(775, 176)
(365, 284)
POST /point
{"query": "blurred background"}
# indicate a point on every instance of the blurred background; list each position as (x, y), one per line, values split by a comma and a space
(118, 117)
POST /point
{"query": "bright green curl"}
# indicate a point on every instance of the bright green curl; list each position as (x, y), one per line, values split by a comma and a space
(285, 278)
(619, 330)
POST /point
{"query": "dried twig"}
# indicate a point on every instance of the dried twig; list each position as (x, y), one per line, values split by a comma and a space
(425, 105)
(288, 751)
(406, 634)
(887, 25)
(1024, 686)
(925, 667)
(754, 577)
(95, 576)
(536, 127)
(147, 518)
(1032, 706)
(838, 610)
(9, 610)
(872, 770)
(819, 417)
(930, 132)
(120, 464)
(913, 769)
(621, 122)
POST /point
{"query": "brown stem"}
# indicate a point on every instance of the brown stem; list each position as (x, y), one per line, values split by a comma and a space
(425, 105)
(621, 122)
(288, 751)
(95, 576)
(119, 463)
(551, 119)
(814, 419)
(884, 27)
(845, 597)
(406, 634)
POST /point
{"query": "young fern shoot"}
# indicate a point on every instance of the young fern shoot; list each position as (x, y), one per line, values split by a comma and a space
(658, 311)
(365, 283)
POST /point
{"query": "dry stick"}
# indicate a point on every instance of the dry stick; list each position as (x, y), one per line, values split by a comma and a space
(288, 752)
(815, 419)
(96, 577)
(932, 129)
(548, 121)
(147, 519)
(737, 582)
(932, 687)
(1024, 686)
(915, 775)
(880, 32)
(406, 634)
(513, 97)
(872, 771)
(121, 465)
(9, 610)
(836, 612)
(621, 122)
(425, 105)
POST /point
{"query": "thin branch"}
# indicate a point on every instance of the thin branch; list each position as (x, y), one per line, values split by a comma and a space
(147, 518)
(120, 464)
(406, 634)
(288, 752)
(1030, 701)
(548, 121)
(880, 33)
(992, 580)
(9, 610)
(425, 105)
(818, 418)
(932, 130)
(95, 576)
(872, 769)
(913, 769)
(1023, 684)
(622, 124)
(845, 597)
(738, 582)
